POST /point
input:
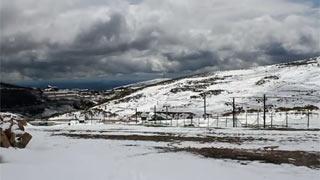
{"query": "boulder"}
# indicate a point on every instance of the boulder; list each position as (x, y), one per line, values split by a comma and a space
(23, 122)
(4, 141)
(21, 125)
(12, 131)
(23, 140)
(12, 139)
(7, 132)
(10, 136)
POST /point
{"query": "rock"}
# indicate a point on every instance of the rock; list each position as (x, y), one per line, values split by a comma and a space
(12, 139)
(23, 122)
(7, 132)
(23, 140)
(21, 125)
(13, 132)
(4, 141)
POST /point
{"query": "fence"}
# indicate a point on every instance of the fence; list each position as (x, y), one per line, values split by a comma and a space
(264, 116)
(251, 120)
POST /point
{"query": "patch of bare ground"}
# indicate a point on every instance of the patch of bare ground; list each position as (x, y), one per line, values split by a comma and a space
(286, 129)
(165, 138)
(297, 158)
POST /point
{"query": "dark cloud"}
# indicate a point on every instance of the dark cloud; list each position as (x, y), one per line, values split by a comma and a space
(193, 61)
(92, 39)
(94, 51)
(19, 43)
(103, 32)
(277, 53)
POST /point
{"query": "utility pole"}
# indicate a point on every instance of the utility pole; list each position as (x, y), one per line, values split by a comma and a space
(308, 123)
(226, 122)
(167, 114)
(246, 118)
(258, 118)
(204, 107)
(271, 116)
(234, 112)
(191, 119)
(136, 115)
(217, 120)
(208, 121)
(286, 119)
(155, 114)
(264, 111)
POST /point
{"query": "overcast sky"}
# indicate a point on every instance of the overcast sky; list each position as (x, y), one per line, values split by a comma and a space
(129, 39)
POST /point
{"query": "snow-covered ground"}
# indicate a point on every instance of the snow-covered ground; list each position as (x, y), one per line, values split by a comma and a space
(59, 157)
(285, 140)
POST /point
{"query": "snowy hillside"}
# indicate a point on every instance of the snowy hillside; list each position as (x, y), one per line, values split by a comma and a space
(289, 86)
(298, 80)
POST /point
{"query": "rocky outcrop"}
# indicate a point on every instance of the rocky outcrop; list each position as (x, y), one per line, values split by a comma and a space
(4, 141)
(12, 131)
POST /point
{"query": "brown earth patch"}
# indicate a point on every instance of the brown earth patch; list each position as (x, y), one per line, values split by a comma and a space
(165, 138)
(297, 158)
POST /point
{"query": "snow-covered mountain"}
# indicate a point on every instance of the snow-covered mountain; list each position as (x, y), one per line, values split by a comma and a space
(294, 85)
